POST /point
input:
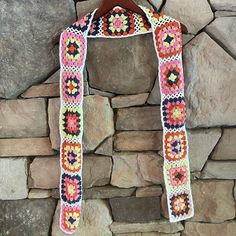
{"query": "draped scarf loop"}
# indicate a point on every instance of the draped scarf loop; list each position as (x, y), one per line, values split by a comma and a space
(167, 38)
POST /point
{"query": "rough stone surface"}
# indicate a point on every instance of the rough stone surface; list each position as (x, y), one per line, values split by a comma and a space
(226, 148)
(138, 140)
(219, 170)
(93, 91)
(120, 57)
(201, 144)
(161, 226)
(23, 118)
(200, 229)
(223, 30)
(95, 220)
(97, 170)
(129, 100)
(39, 193)
(38, 23)
(148, 234)
(106, 148)
(42, 90)
(213, 201)
(42, 175)
(98, 121)
(225, 5)
(225, 13)
(107, 192)
(136, 169)
(139, 118)
(26, 217)
(13, 180)
(135, 210)
(210, 79)
(187, 12)
(53, 122)
(155, 96)
(25, 147)
(152, 191)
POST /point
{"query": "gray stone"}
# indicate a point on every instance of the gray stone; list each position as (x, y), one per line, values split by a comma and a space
(138, 141)
(95, 220)
(223, 30)
(26, 217)
(152, 191)
(210, 74)
(93, 91)
(98, 121)
(147, 234)
(187, 12)
(226, 5)
(186, 38)
(41, 173)
(219, 170)
(213, 201)
(97, 170)
(226, 148)
(107, 192)
(25, 147)
(106, 148)
(21, 62)
(136, 169)
(135, 210)
(129, 100)
(54, 78)
(200, 229)
(23, 118)
(162, 226)
(39, 193)
(139, 118)
(224, 13)
(53, 122)
(155, 96)
(13, 180)
(121, 57)
(201, 144)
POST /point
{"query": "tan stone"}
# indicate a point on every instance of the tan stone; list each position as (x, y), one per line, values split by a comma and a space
(53, 121)
(201, 144)
(187, 12)
(152, 191)
(224, 13)
(95, 220)
(210, 79)
(139, 118)
(45, 173)
(97, 170)
(98, 121)
(13, 178)
(93, 91)
(42, 90)
(148, 234)
(54, 78)
(213, 201)
(162, 226)
(136, 169)
(39, 193)
(138, 141)
(229, 5)
(129, 100)
(107, 192)
(106, 148)
(25, 147)
(226, 148)
(223, 30)
(155, 96)
(125, 172)
(23, 118)
(219, 170)
(201, 229)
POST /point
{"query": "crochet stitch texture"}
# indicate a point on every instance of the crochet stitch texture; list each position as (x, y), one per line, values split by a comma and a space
(167, 37)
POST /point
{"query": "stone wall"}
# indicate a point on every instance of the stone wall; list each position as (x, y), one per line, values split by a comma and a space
(123, 180)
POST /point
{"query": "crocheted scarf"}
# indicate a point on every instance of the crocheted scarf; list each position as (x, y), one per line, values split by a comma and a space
(167, 38)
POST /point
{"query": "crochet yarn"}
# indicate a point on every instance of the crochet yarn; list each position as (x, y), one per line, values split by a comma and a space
(167, 37)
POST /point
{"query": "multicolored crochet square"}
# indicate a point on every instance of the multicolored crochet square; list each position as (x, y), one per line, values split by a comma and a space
(120, 23)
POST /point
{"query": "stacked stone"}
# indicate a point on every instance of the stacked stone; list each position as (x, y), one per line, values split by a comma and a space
(123, 180)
